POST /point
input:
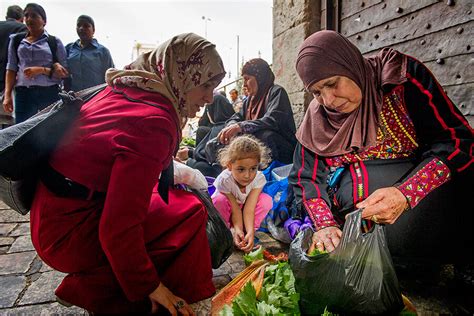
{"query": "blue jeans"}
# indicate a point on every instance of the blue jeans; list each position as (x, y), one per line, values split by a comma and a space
(31, 100)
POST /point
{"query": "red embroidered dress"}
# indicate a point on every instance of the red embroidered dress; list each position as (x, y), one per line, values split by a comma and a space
(417, 122)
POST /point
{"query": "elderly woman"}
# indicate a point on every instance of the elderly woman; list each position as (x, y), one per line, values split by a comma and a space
(266, 113)
(36, 62)
(382, 135)
(97, 214)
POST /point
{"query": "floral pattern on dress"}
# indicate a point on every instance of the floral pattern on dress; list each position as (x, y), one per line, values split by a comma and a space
(320, 213)
(425, 180)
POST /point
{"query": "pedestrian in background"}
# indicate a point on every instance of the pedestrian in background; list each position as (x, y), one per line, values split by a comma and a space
(13, 24)
(36, 64)
(87, 60)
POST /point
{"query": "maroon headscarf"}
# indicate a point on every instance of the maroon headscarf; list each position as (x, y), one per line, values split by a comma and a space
(260, 69)
(326, 54)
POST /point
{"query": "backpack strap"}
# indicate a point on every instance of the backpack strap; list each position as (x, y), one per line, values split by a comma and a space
(53, 46)
(52, 43)
(16, 42)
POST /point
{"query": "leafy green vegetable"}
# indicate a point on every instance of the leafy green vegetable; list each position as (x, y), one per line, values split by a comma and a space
(188, 141)
(252, 256)
(245, 303)
(316, 252)
(327, 313)
(277, 296)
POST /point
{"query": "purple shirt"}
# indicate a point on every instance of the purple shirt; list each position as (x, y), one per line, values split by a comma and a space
(34, 54)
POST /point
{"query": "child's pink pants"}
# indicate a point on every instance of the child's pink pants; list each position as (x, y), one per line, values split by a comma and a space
(264, 204)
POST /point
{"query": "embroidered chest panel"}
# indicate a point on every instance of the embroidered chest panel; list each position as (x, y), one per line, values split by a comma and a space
(396, 136)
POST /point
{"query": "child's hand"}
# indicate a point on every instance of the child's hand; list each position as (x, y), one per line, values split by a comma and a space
(248, 240)
(238, 236)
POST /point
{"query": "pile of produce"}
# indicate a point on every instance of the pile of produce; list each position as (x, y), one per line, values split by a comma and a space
(265, 287)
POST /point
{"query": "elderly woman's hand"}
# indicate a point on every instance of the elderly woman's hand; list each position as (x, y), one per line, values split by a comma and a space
(228, 133)
(384, 206)
(174, 304)
(326, 239)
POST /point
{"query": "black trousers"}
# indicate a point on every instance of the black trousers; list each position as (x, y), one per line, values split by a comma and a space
(281, 148)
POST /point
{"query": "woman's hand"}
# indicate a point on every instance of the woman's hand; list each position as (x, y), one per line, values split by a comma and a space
(174, 304)
(248, 240)
(59, 71)
(32, 72)
(326, 239)
(182, 154)
(8, 103)
(228, 133)
(384, 206)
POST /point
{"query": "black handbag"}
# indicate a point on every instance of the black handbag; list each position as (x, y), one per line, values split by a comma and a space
(24, 147)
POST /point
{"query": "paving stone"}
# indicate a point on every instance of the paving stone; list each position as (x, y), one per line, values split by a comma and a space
(42, 290)
(45, 267)
(11, 287)
(4, 249)
(6, 241)
(44, 310)
(5, 229)
(202, 308)
(225, 268)
(10, 216)
(16, 262)
(3, 205)
(22, 243)
(22, 229)
(221, 281)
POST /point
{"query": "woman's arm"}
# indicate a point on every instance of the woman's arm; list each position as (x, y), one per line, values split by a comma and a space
(10, 80)
(278, 112)
(308, 178)
(445, 142)
(444, 135)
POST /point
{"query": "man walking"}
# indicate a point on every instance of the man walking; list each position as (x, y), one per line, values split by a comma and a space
(13, 24)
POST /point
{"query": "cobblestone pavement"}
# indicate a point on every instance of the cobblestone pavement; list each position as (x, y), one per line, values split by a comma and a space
(27, 284)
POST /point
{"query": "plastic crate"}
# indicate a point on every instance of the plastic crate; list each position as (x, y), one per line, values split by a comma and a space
(282, 172)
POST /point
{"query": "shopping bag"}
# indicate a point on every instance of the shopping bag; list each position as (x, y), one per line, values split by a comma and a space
(218, 235)
(356, 278)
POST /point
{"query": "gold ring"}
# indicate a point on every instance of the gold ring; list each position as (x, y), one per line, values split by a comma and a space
(179, 304)
(374, 219)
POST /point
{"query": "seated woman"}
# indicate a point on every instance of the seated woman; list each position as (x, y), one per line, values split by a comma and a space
(382, 135)
(211, 123)
(126, 247)
(266, 113)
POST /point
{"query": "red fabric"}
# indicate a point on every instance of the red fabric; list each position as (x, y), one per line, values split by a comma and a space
(320, 213)
(117, 250)
(428, 178)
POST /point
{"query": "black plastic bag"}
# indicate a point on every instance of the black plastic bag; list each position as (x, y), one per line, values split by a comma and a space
(218, 235)
(356, 278)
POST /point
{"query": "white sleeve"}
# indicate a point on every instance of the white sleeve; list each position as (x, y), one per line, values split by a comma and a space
(259, 181)
(222, 182)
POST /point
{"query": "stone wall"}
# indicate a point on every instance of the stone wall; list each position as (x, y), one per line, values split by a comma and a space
(293, 21)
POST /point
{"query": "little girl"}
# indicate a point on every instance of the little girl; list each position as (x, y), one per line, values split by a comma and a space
(238, 197)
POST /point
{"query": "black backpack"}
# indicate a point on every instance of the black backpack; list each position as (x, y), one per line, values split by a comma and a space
(53, 44)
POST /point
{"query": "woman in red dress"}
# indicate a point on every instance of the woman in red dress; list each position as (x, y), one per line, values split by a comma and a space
(97, 214)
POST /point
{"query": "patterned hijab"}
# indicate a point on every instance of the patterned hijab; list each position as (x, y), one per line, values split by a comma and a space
(172, 69)
(326, 54)
(260, 69)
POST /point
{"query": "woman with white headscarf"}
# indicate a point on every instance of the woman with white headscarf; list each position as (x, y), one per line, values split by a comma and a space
(98, 215)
